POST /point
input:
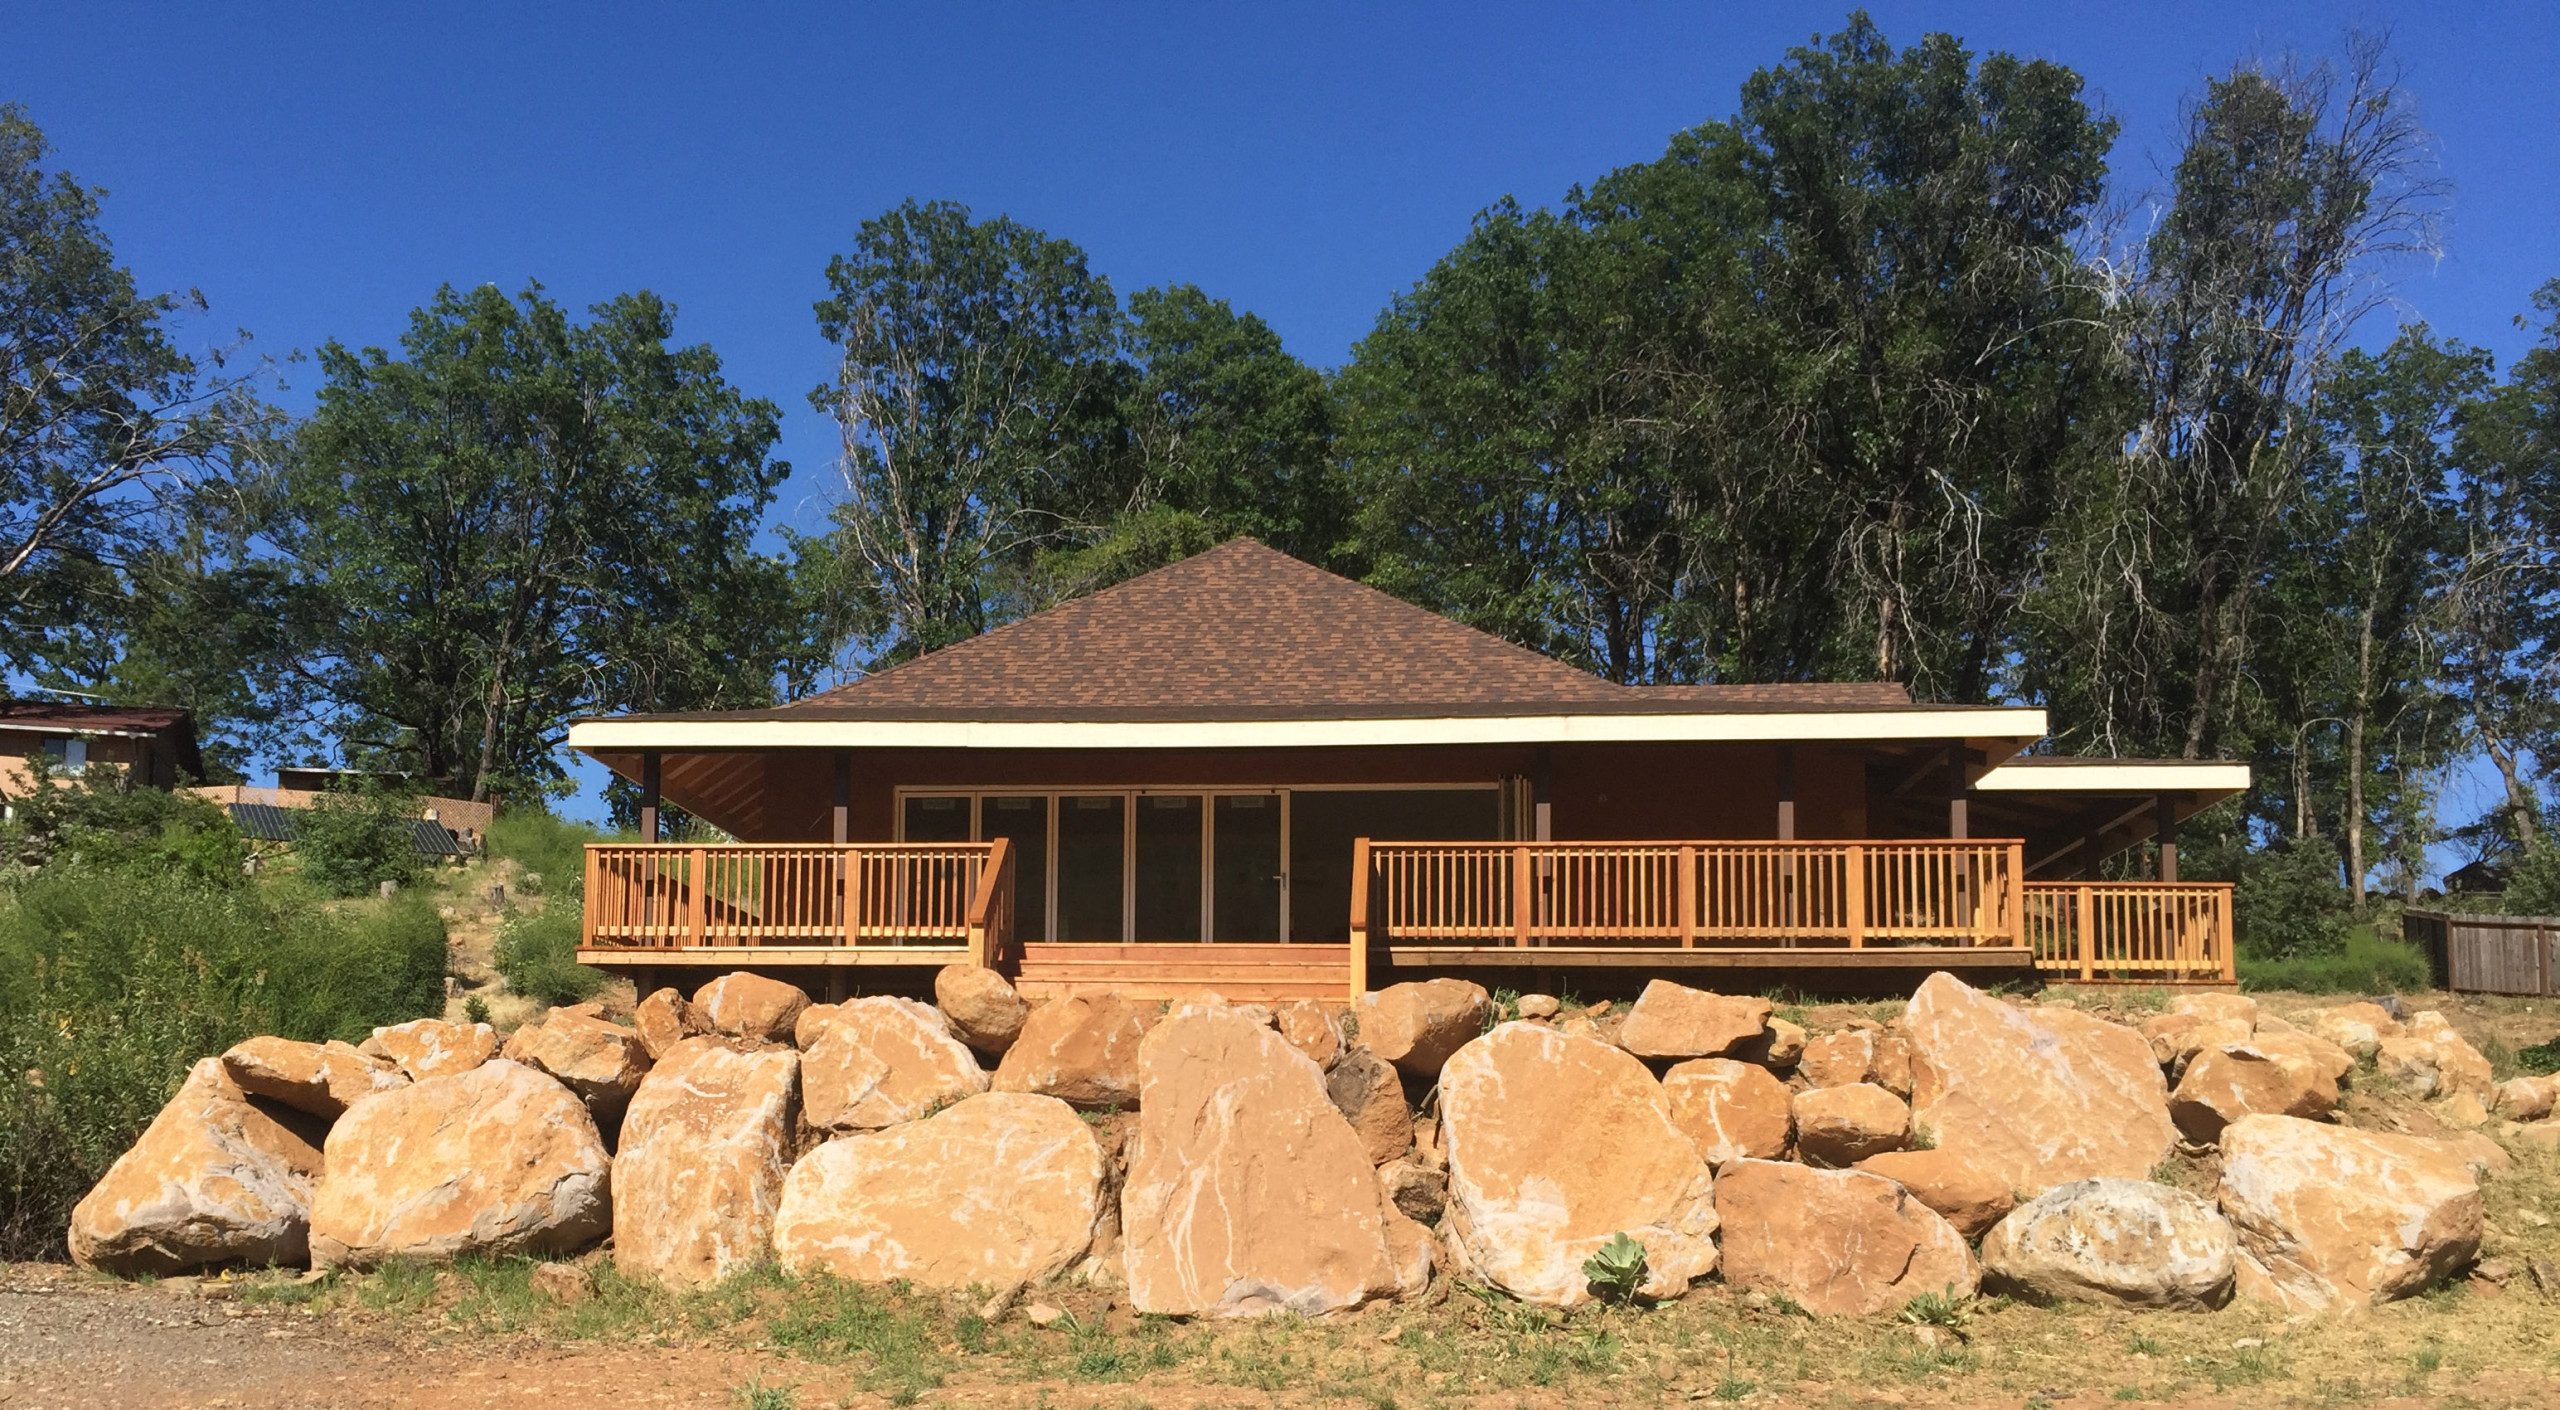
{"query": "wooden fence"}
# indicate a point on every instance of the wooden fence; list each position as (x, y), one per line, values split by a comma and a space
(1689, 894)
(2480, 954)
(670, 896)
(2131, 932)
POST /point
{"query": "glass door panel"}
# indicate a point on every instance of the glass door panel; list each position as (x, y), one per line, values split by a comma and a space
(1091, 854)
(1024, 822)
(1168, 872)
(1245, 872)
(937, 820)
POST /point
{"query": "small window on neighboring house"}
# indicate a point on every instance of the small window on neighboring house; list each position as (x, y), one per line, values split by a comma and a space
(68, 754)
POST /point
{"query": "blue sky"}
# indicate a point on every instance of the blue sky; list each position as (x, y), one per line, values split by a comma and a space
(317, 171)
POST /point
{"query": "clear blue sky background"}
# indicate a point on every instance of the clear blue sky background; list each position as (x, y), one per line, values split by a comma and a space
(318, 170)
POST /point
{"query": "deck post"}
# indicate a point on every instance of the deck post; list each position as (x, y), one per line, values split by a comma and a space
(844, 799)
(2222, 927)
(2164, 821)
(2013, 896)
(1359, 918)
(1786, 793)
(698, 904)
(1959, 791)
(1688, 887)
(649, 796)
(1522, 896)
(2084, 920)
(1853, 896)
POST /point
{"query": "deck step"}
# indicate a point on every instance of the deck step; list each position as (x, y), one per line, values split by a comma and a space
(1332, 991)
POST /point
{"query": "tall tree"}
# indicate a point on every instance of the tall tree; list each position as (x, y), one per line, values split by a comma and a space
(2293, 192)
(106, 426)
(520, 518)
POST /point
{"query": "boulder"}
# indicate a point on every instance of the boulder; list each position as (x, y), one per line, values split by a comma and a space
(1533, 1007)
(2176, 1038)
(496, 1159)
(2462, 1111)
(984, 1011)
(322, 1079)
(1730, 1110)
(884, 1060)
(1369, 1094)
(750, 1006)
(2335, 1218)
(1421, 1193)
(2428, 1059)
(2524, 1098)
(1841, 1243)
(1082, 1049)
(2482, 1156)
(2358, 1027)
(1779, 1049)
(2128, 1243)
(1840, 1126)
(1556, 1144)
(431, 1047)
(1675, 1021)
(2225, 1083)
(213, 1180)
(1417, 1026)
(2037, 1097)
(997, 1190)
(1311, 1030)
(811, 1025)
(1839, 1059)
(1412, 1254)
(601, 1062)
(665, 1019)
(2288, 1044)
(1963, 1193)
(2214, 1007)
(705, 1148)
(1247, 1192)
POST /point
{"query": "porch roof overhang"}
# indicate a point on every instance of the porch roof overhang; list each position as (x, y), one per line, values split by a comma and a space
(2061, 805)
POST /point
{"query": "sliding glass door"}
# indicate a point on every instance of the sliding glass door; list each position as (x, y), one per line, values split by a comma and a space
(1245, 875)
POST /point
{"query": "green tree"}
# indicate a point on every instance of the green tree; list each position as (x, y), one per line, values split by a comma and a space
(520, 518)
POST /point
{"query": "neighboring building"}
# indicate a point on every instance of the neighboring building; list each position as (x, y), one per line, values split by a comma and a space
(1243, 773)
(259, 811)
(156, 747)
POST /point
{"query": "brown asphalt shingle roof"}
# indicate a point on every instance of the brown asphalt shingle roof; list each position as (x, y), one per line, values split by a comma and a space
(1244, 631)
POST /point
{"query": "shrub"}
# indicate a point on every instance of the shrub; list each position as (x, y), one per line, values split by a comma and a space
(114, 981)
(2289, 902)
(100, 820)
(2533, 883)
(538, 953)
(2365, 963)
(351, 840)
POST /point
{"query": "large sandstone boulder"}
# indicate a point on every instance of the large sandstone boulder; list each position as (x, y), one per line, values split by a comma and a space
(1000, 1189)
(2223, 1084)
(431, 1047)
(1364, 1087)
(984, 1010)
(2359, 1027)
(2216, 1007)
(496, 1159)
(1779, 1049)
(882, 1060)
(2333, 1218)
(1840, 1242)
(1840, 1126)
(2427, 1059)
(1417, 1026)
(1839, 1059)
(705, 1147)
(811, 1025)
(213, 1180)
(1675, 1021)
(1247, 1192)
(664, 1019)
(1082, 1049)
(2290, 1045)
(1963, 1193)
(602, 1062)
(2037, 1097)
(2176, 1038)
(1310, 1028)
(1556, 1144)
(323, 1079)
(2525, 1098)
(2129, 1243)
(750, 1006)
(1412, 1254)
(1730, 1110)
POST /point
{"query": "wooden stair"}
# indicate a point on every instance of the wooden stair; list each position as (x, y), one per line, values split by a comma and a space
(1247, 974)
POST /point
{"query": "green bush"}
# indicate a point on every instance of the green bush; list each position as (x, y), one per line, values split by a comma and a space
(2365, 963)
(351, 840)
(552, 850)
(2289, 902)
(101, 821)
(538, 953)
(113, 981)
(2533, 883)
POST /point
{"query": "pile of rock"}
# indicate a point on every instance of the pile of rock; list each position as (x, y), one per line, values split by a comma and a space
(1233, 1159)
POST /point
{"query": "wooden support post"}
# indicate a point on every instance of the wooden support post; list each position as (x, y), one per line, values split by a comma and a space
(1688, 884)
(1959, 790)
(1359, 919)
(649, 796)
(844, 799)
(1786, 793)
(2164, 817)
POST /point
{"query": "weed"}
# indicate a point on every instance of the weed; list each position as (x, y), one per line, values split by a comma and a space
(1786, 1306)
(1506, 1007)
(2141, 1345)
(1923, 1138)
(756, 1395)
(401, 1285)
(475, 1009)
(1617, 1270)
(1947, 1309)
(2255, 1365)
(1733, 1387)
(2127, 1393)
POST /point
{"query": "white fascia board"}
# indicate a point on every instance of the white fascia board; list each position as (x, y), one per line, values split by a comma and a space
(2107, 776)
(2022, 724)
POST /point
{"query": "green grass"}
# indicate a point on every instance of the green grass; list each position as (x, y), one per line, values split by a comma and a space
(551, 851)
(2367, 964)
(538, 953)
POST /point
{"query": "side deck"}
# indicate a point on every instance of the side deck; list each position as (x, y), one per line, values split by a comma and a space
(1822, 914)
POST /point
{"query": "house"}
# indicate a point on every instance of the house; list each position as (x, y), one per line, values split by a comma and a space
(155, 747)
(1243, 773)
(447, 826)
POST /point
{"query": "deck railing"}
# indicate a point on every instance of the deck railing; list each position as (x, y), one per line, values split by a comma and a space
(2146, 932)
(671, 896)
(1690, 894)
